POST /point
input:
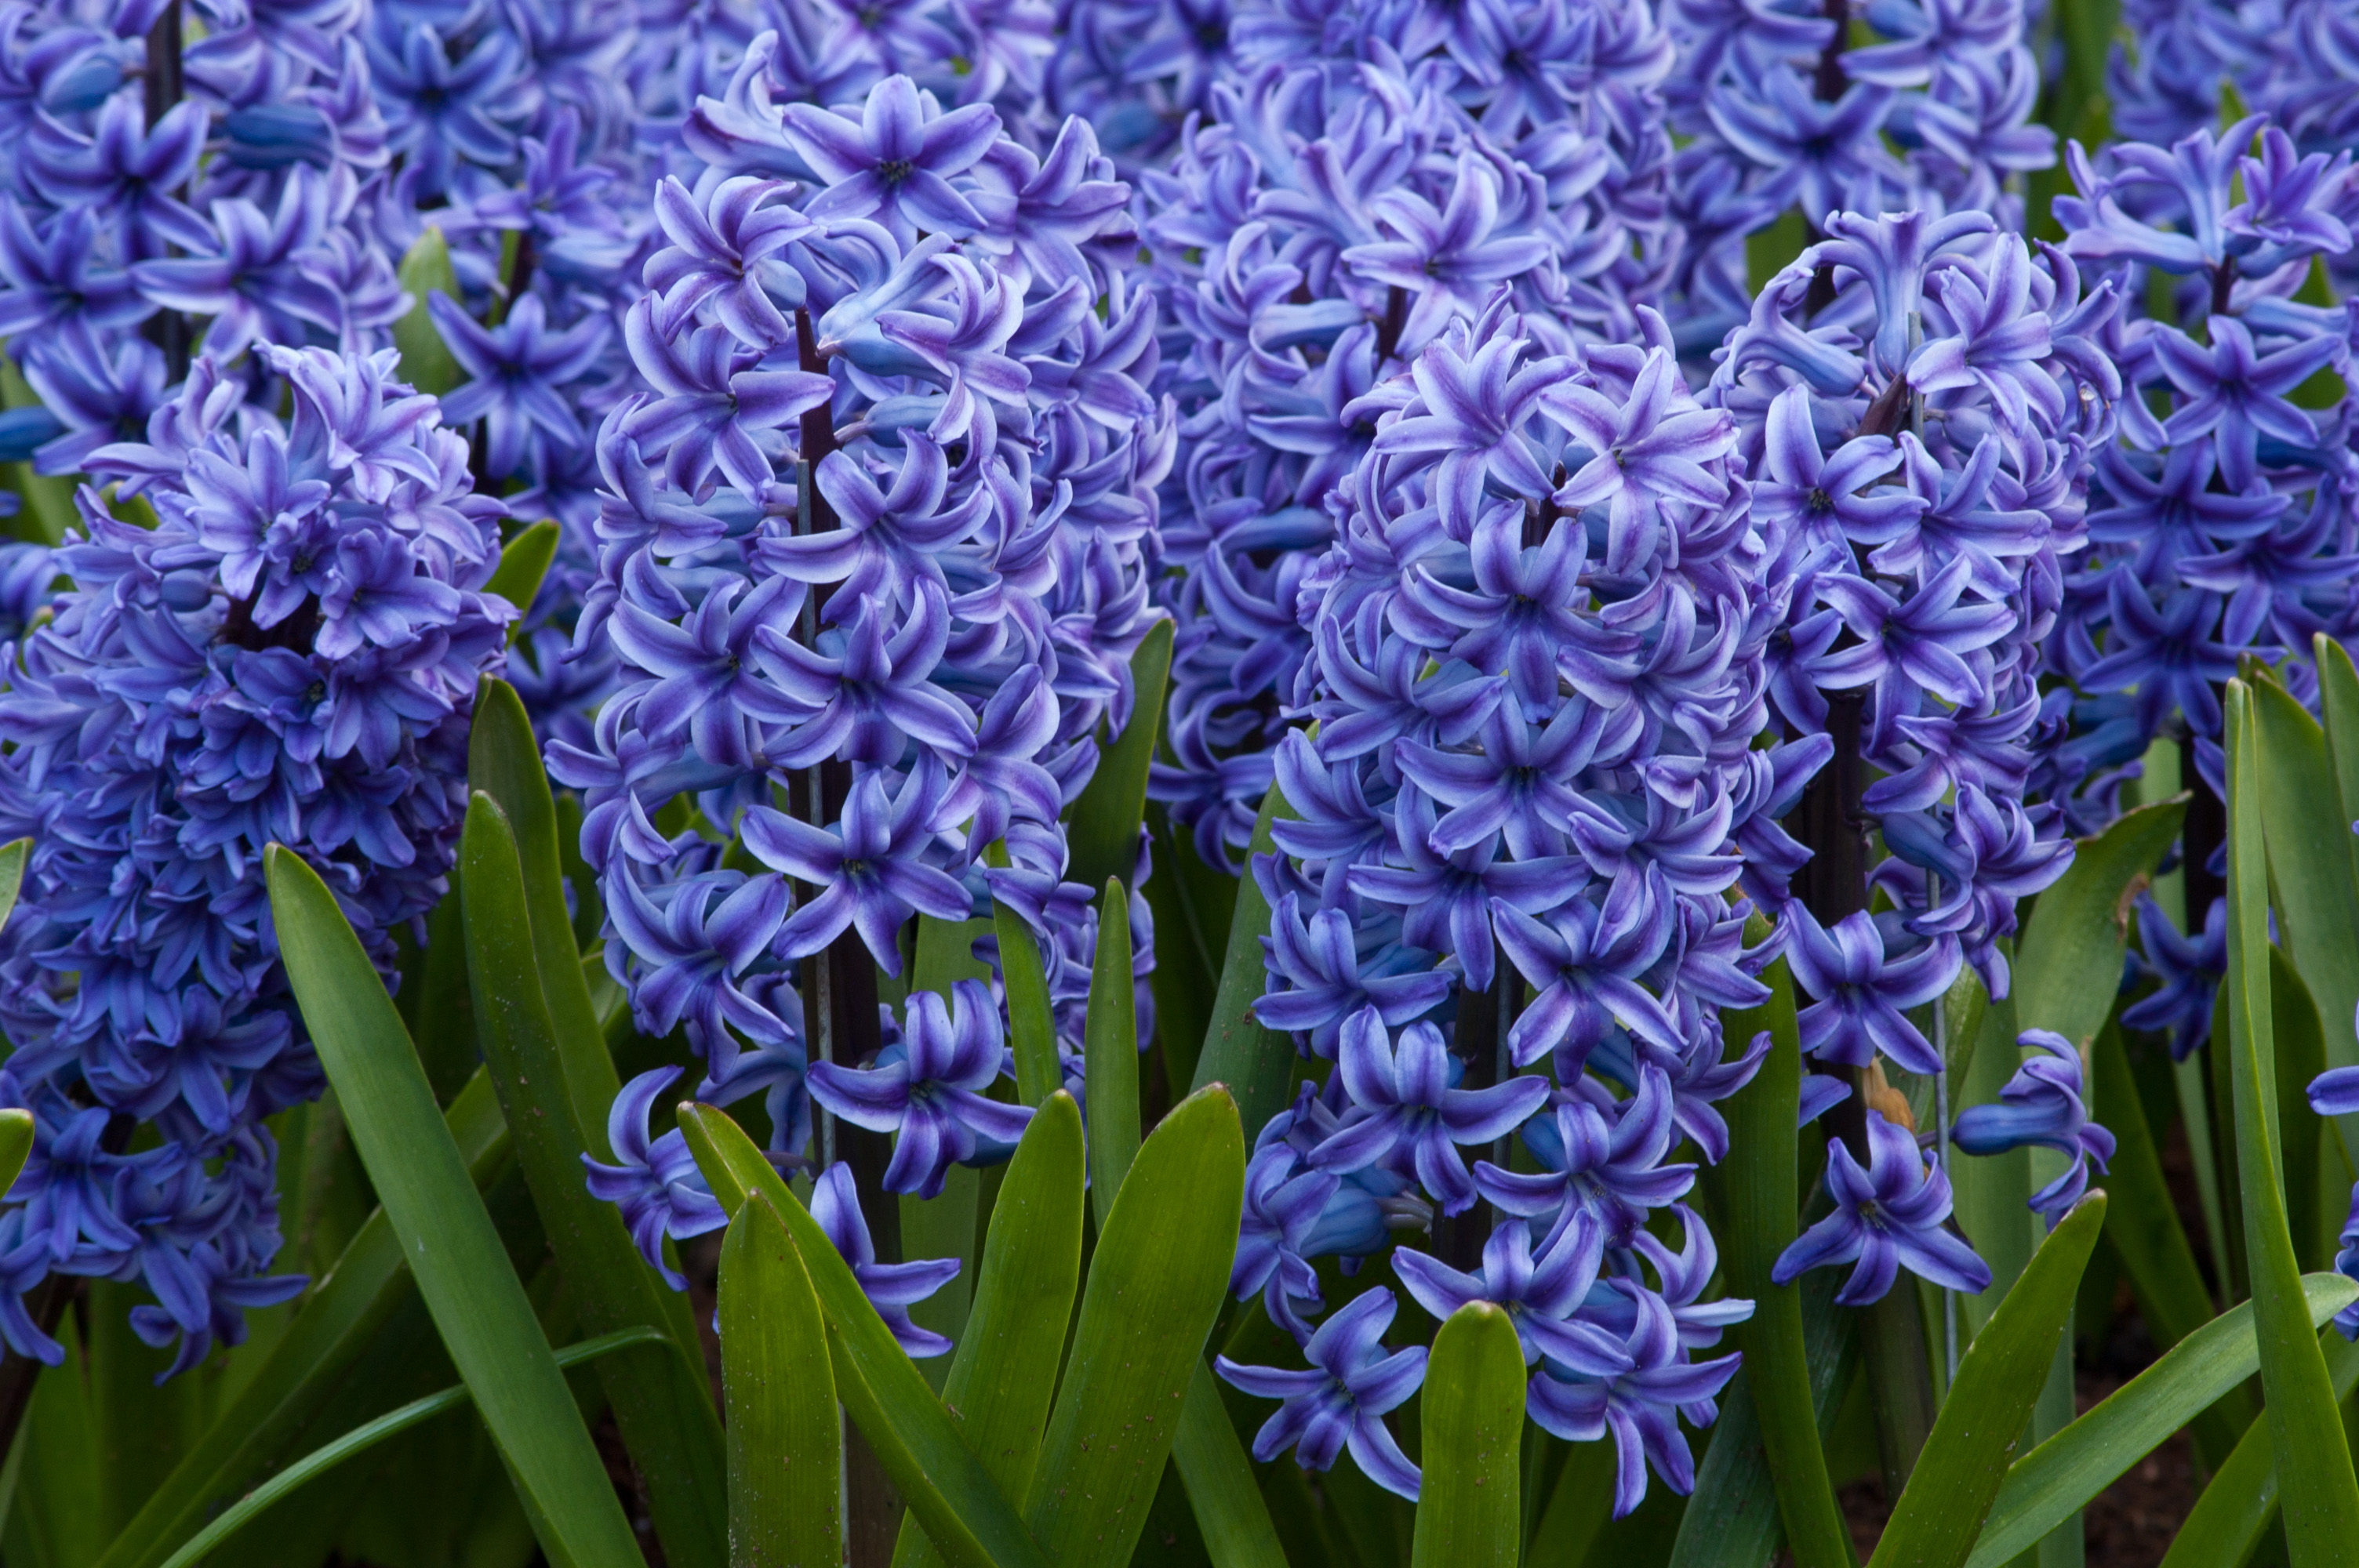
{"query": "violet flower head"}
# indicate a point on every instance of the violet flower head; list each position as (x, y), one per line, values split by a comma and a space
(2042, 1105)
(1542, 1294)
(654, 1183)
(928, 1090)
(1341, 1398)
(1640, 1406)
(1406, 1114)
(891, 1288)
(1889, 1217)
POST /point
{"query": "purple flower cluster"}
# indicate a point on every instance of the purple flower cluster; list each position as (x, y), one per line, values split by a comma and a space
(2219, 519)
(2296, 61)
(287, 653)
(1921, 105)
(1312, 234)
(873, 550)
(155, 183)
(1540, 657)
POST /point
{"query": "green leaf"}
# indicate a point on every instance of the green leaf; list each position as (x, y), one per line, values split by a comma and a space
(361, 1439)
(1256, 1064)
(2322, 1496)
(426, 361)
(2079, 927)
(786, 1440)
(1469, 1510)
(1031, 1026)
(462, 1271)
(1005, 1370)
(2236, 1510)
(16, 1144)
(1156, 1282)
(1758, 1188)
(2316, 898)
(1192, 902)
(504, 761)
(947, 1488)
(1102, 825)
(1110, 1054)
(667, 1421)
(344, 1317)
(523, 564)
(1965, 1459)
(2142, 1224)
(2046, 1485)
(13, 856)
(1222, 1492)
(1733, 1520)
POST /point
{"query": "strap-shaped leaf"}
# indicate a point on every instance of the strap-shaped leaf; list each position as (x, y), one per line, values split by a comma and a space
(523, 564)
(2076, 931)
(2321, 1495)
(1155, 1285)
(1222, 1491)
(2046, 1485)
(1102, 825)
(339, 1319)
(504, 761)
(1470, 1507)
(15, 1145)
(1004, 1369)
(2236, 1509)
(1760, 1193)
(463, 1272)
(1110, 1052)
(1256, 1064)
(361, 1439)
(13, 856)
(786, 1440)
(1965, 1459)
(947, 1488)
(2141, 1223)
(667, 1421)
(1031, 1026)
(426, 361)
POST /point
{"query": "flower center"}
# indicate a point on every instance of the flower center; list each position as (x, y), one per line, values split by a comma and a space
(894, 170)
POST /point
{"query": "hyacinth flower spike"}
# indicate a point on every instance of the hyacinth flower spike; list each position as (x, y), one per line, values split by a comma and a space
(2042, 1105)
(891, 1288)
(1341, 1398)
(928, 1091)
(1886, 1217)
(1405, 1111)
(655, 1182)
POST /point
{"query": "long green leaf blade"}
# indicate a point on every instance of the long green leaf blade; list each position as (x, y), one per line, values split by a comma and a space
(786, 1440)
(1103, 824)
(667, 1421)
(2235, 1509)
(1760, 1193)
(947, 1488)
(462, 1271)
(1222, 1492)
(2321, 1495)
(1470, 1508)
(2077, 928)
(2046, 1485)
(1111, 1051)
(1965, 1459)
(426, 361)
(339, 1320)
(504, 761)
(13, 856)
(361, 1439)
(523, 563)
(1256, 1064)
(1031, 1025)
(1005, 1370)
(1155, 1285)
